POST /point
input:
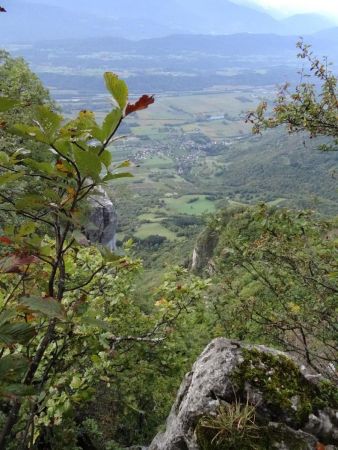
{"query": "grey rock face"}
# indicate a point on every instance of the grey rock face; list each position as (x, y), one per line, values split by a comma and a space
(215, 379)
(102, 222)
(203, 252)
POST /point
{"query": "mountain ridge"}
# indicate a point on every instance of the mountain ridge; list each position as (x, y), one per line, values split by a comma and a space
(30, 20)
(228, 45)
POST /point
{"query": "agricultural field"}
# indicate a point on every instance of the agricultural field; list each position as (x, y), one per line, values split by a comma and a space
(192, 154)
(189, 204)
(153, 229)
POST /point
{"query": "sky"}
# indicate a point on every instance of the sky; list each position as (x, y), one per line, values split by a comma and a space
(288, 7)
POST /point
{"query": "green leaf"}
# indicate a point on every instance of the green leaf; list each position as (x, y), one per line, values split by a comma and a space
(115, 176)
(12, 367)
(16, 390)
(52, 195)
(7, 178)
(107, 255)
(76, 382)
(63, 146)
(46, 306)
(111, 122)
(27, 228)
(34, 242)
(48, 120)
(101, 324)
(4, 159)
(29, 201)
(29, 132)
(88, 163)
(6, 316)
(7, 103)
(106, 158)
(20, 332)
(118, 88)
(44, 167)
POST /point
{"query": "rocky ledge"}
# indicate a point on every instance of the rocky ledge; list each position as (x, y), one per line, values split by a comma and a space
(240, 396)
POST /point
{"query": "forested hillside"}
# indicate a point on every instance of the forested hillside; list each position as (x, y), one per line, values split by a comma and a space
(227, 229)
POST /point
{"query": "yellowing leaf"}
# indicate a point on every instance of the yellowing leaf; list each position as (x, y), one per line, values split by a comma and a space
(118, 88)
(162, 303)
(71, 192)
(76, 382)
(295, 309)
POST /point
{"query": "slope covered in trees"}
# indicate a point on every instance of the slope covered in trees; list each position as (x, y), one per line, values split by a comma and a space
(89, 361)
(64, 303)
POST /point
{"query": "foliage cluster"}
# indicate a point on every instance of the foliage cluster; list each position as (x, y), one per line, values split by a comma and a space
(312, 107)
(69, 322)
(277, 281)
(85, 354)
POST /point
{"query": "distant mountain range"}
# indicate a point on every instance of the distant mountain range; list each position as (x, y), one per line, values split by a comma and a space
(234, 45)
(32, 20)
(176, 63)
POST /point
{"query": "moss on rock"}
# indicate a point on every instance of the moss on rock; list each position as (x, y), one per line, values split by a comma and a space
(283, 387)
(246, 397)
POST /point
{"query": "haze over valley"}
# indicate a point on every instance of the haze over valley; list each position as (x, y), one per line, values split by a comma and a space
(168, 184)
(194, 142)
(32, 20)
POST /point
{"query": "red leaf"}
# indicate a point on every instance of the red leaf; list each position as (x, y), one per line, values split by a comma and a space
(5, 240)
(23, 260)
(2, 9)
(320, 446)
(142, 103)
(13, 263)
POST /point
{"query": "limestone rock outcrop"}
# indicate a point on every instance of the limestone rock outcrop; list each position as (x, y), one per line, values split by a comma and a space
(203, 252)
(102, 221)
(249, 396)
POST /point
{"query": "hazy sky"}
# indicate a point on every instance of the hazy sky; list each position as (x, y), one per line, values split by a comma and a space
(285, 7)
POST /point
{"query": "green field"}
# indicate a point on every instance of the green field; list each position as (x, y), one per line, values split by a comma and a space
(150, 229)
(150, 217)
(193, 113)
(186, 205)
(157, 162)
(219, 129)
(198, 156)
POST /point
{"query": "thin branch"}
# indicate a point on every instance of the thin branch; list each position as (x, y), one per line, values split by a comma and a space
(107, 141)
(84, 284)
